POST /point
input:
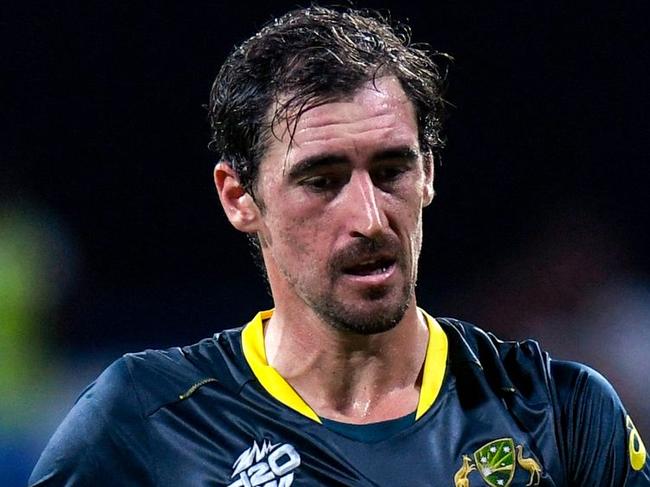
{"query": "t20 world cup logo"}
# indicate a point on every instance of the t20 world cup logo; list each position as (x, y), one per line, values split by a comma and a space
(270, 465)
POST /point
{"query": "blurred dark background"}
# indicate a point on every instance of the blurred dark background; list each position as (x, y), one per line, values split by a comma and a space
(112, 238)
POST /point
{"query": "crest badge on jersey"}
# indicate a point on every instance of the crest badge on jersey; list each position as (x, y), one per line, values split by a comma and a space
(268, 465)
(496, 463)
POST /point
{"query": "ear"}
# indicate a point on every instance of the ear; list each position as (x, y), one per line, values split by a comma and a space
(428, 192)
(241, 210)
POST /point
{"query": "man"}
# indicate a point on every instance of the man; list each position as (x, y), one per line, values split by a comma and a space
(327, 123)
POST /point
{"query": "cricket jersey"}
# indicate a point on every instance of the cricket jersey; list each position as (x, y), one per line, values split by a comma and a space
(490, 413)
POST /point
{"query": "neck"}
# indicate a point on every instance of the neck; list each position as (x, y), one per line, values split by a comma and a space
(345, 376)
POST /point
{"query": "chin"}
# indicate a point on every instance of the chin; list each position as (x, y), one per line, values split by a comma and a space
(368, 319)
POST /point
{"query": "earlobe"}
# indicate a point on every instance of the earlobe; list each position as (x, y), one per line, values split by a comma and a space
(429, 194)
(240, 208)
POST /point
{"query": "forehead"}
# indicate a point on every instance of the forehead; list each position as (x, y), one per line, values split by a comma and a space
(377, 116)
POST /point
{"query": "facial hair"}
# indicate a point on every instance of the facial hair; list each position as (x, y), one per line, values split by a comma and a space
(348, 317)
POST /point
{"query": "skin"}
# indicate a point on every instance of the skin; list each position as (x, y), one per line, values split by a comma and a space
(339, 215)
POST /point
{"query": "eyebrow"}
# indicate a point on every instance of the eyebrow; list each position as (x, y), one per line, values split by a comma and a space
(311, 164)
(406, 153)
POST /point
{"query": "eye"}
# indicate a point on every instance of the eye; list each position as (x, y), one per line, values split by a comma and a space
(323, 182)
(389, 173)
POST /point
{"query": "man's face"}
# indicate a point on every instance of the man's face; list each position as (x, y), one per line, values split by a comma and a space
(341, 219)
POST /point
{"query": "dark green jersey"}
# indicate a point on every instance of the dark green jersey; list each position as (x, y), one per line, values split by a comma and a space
(216, 414)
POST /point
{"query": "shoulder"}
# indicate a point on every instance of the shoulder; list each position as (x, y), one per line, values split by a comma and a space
(600, 437)
(159, 377)
(508, 366)
(596, 438)
(525, 366)
(578, 382)
(138, 384)
(586, 402)
(91, 440)
(107, 430)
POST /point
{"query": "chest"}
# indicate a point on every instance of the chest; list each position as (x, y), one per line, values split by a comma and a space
(253, 441)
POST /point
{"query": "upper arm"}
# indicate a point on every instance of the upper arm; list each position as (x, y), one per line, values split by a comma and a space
(601, 445)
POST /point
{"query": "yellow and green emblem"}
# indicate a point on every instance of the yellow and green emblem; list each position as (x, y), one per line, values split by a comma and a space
(495, 461)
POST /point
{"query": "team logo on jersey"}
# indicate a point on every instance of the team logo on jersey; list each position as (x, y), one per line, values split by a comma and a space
(269, 465)
(495, 462)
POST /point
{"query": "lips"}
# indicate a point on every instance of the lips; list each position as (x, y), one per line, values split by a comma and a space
(370, 267)
(368, 261)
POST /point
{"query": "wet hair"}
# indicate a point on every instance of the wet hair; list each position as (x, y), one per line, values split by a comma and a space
(308, 57)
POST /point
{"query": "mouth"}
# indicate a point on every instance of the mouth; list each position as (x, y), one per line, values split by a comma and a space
(370, 267)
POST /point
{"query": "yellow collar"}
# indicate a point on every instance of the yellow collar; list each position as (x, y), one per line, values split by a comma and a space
(433, 374)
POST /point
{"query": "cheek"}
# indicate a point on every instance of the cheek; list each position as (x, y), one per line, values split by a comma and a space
(407, 213)
(295, 237)
(410, 221)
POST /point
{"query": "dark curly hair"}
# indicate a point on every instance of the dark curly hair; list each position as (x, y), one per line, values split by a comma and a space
(308, 57)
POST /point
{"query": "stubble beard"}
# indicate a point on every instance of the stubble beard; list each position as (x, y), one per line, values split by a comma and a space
(350, 319)
(378, 310)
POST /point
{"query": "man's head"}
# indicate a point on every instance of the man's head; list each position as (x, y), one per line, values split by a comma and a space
(307, 57)
(339, 163)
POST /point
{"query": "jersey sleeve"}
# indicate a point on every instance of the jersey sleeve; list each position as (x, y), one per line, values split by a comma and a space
(102, 441)
(601, 445)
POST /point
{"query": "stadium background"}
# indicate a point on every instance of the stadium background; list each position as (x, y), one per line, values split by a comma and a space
(112, 239)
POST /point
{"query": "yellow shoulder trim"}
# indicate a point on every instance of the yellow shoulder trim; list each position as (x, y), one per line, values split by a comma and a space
(255, 354)
(435, 365)
(636, 448)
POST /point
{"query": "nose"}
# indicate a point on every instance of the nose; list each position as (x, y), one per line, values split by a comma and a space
(364, 213)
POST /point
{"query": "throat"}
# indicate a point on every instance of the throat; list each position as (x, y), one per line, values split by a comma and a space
(363, 405)
(350, 378)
